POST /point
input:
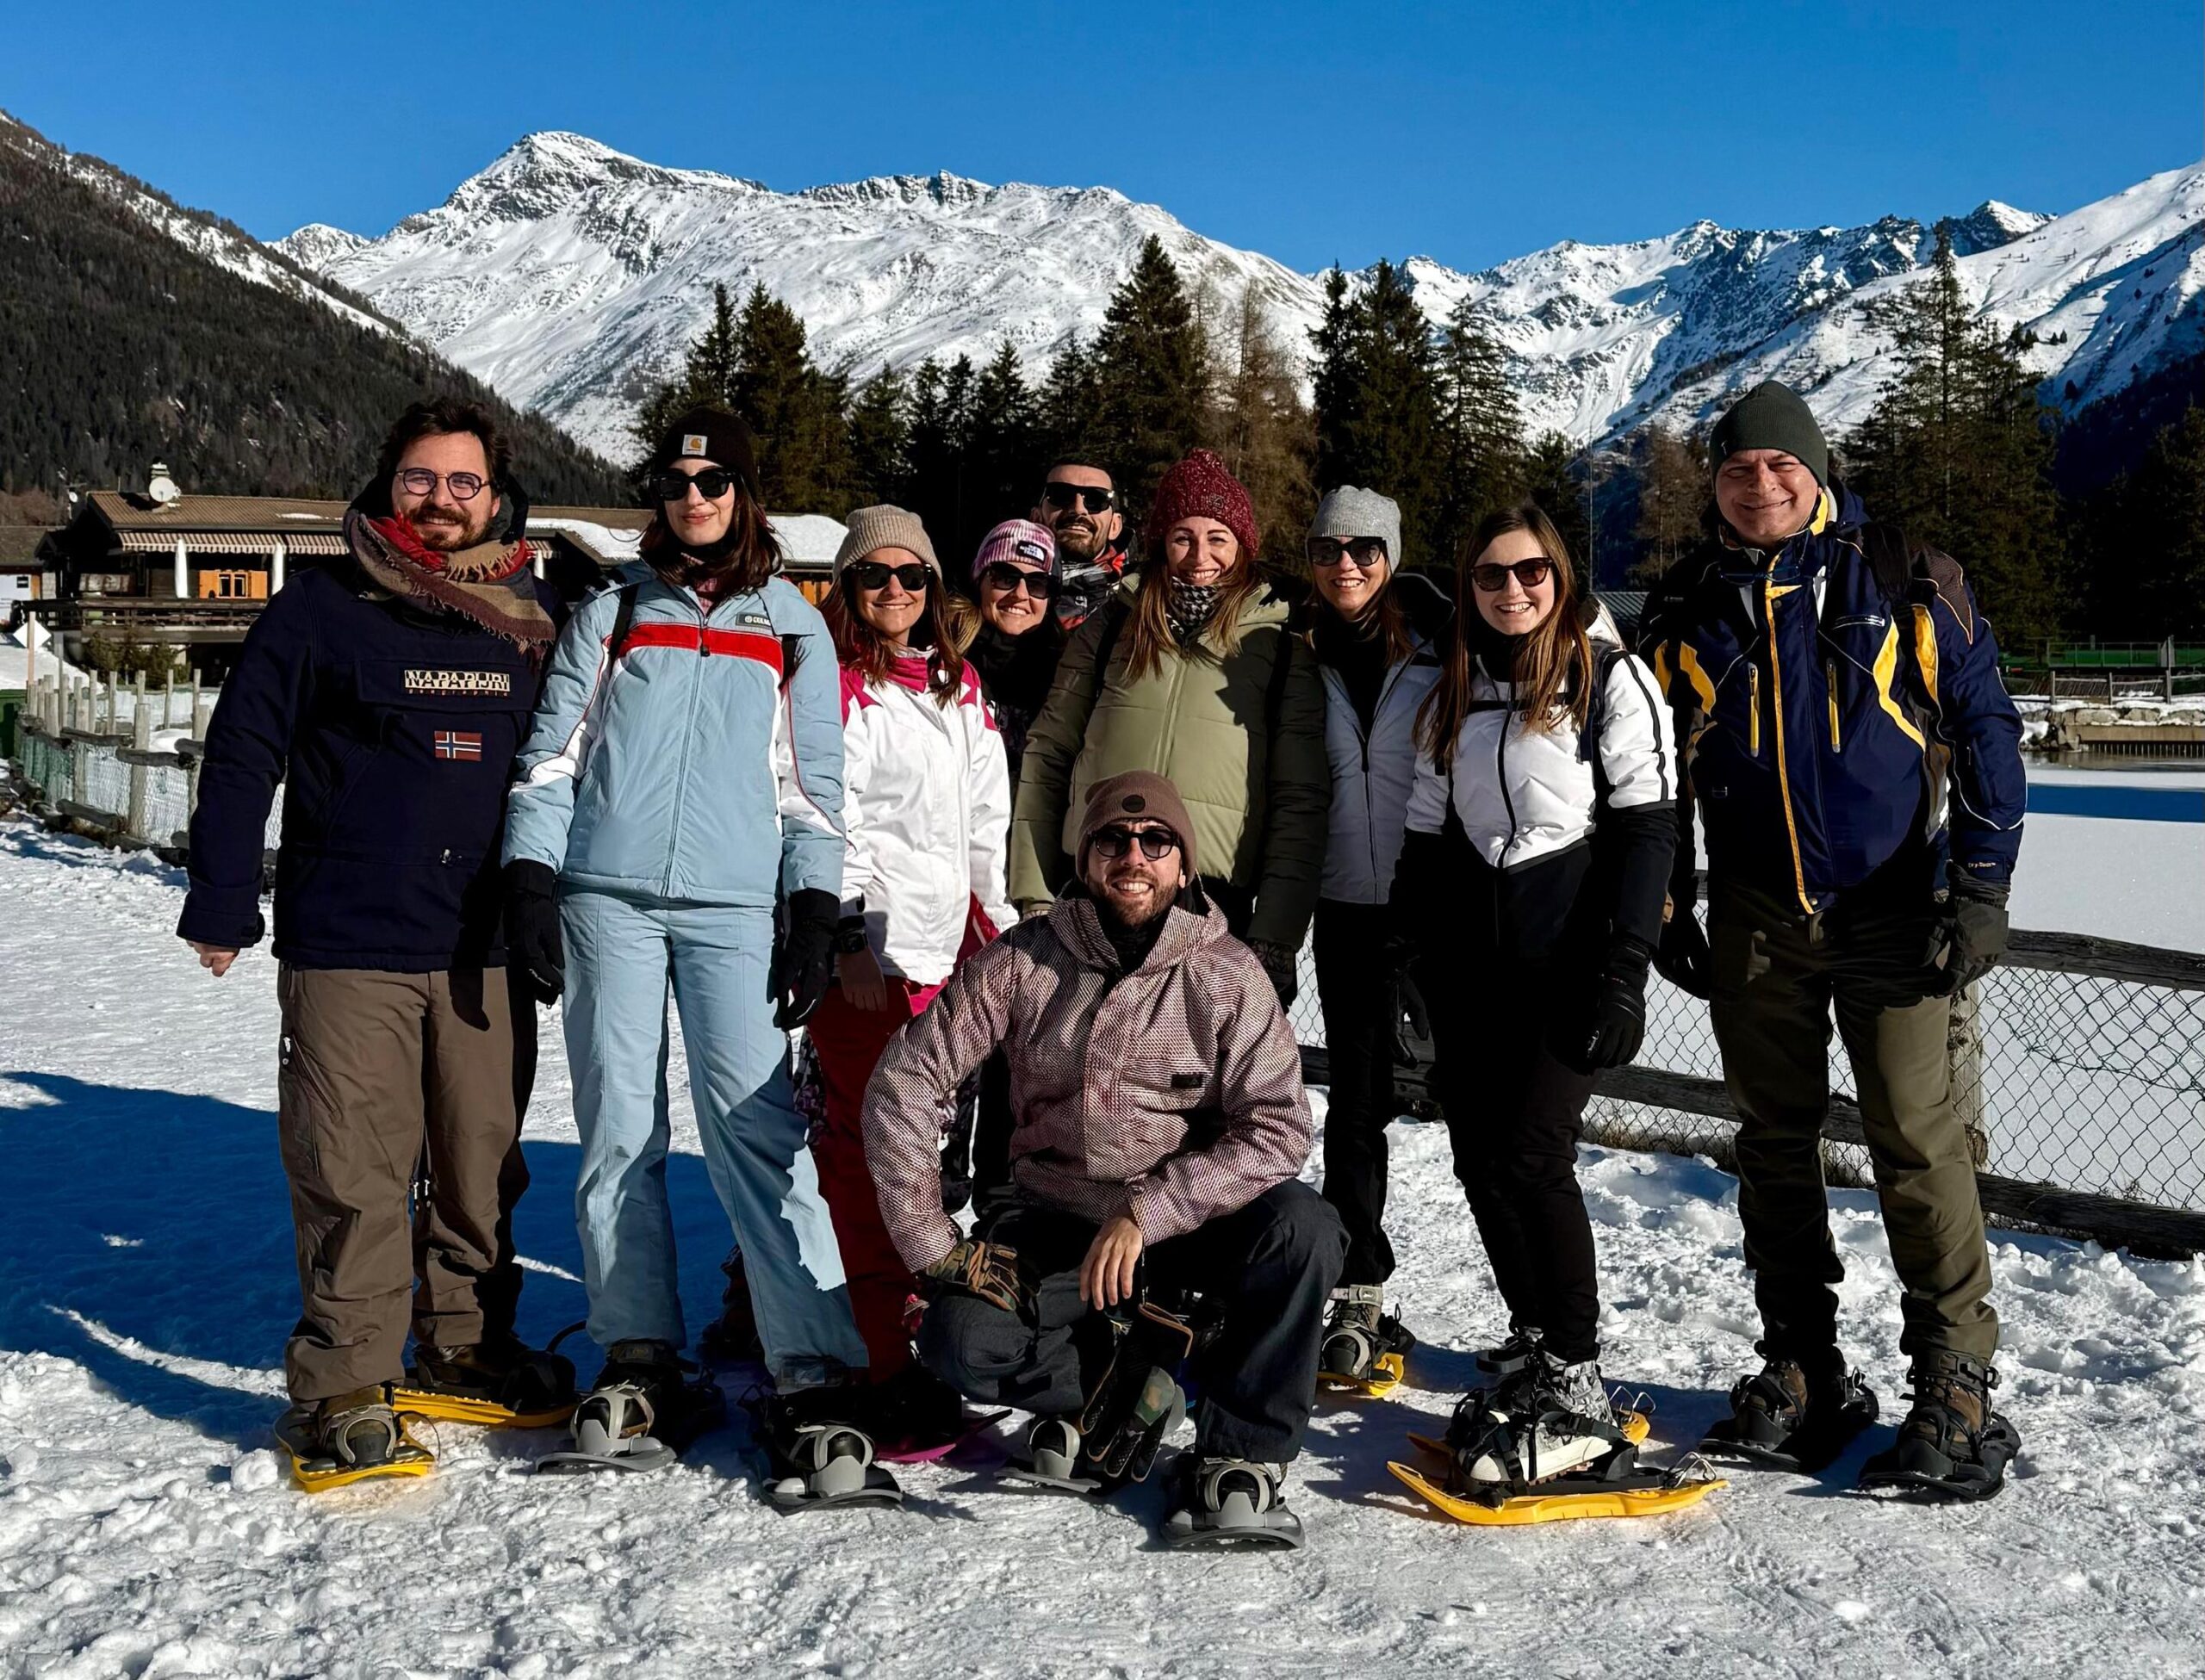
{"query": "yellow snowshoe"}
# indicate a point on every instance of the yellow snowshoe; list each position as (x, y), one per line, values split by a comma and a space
(499, 1385)
(356, 1438)
(1365, 1350)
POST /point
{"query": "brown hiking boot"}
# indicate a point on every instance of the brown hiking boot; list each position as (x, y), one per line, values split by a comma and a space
(359, 1429)
(1952, 1445)
(1793, 1415)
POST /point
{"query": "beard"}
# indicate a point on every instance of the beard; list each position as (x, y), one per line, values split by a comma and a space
(447, 534)
(1077, 539)
(1138, 913)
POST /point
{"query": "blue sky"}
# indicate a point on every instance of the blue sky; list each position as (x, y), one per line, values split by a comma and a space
(1313, 133)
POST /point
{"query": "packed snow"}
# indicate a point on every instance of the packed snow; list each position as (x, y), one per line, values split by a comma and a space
(570, 276)
(146, 1527)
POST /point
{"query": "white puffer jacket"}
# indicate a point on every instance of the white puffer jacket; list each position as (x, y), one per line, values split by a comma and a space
(927, 800)
(1524, 796)
(1373, 775)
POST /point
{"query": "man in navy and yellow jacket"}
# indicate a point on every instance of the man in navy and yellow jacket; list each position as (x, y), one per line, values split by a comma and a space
(1856, 762)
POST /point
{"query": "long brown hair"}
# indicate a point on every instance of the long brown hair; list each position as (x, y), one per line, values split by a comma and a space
(1385, 614)
(1149, 640)
(857, 643)
(1554, 663)
(748, 554)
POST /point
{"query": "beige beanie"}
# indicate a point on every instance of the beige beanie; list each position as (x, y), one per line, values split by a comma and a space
(872, 529)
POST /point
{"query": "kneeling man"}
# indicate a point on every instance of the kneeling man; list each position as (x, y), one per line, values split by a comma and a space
(1158, 1125)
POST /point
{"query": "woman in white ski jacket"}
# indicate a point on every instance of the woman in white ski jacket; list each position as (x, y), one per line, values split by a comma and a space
(1533, 927)
(1378, 634)
(926, 801)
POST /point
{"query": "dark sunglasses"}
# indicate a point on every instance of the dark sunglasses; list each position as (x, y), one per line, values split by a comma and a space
(1326, 552)
(1009, 579)
(870, 575)
(1155, 843)
(1091, 498)
(711, 484)
(420, 481)
(1492, 577)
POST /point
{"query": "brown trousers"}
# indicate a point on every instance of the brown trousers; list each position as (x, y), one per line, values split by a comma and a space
(386, 1077)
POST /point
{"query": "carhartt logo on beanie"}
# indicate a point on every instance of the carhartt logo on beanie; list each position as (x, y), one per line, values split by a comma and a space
(709, 434)
(1773, 416)
(1200, 487)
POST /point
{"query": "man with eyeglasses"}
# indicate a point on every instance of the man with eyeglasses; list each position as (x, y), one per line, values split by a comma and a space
(389, 690)
(1160, 1126)
(1080, 507)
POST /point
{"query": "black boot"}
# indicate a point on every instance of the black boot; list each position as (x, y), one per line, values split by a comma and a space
(1794, 1414)
(819, 1448)
(504, 1375)
(644, 1408)
(1952, 1445)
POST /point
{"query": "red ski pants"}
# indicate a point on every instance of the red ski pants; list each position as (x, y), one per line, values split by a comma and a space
(848, 1042)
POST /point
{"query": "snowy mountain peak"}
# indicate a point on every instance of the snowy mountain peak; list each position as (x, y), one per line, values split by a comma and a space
(1991, 225)
(540, 174)
(942, 187)
(317, 245)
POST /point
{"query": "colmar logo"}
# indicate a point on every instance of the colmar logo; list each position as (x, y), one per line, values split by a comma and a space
(420, 681)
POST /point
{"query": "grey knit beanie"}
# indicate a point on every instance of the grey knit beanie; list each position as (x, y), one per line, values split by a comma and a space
(1771, 416)
(1349, 511)
(872, 529)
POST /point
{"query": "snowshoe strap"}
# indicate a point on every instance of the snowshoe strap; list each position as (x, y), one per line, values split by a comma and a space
(819, 1448)
(622, 1411)
(337, 1430)
(1211, 1491)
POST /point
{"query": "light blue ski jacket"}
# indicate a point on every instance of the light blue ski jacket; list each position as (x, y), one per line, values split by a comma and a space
(700, 761)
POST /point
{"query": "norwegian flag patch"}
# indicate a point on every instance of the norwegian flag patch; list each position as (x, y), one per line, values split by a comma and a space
(459, 744)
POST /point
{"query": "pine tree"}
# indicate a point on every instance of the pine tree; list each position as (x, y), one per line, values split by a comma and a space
(804, 461)
(2140, 541)
(1150, 366)
(880, 440)
(1338, 341)
(1481, 429)
(707, 377)
(1553, 475)
(1674, 490)
(940, 443)
(1266, 433)
(1378, 405)
(1070, 406)
(1004, 440)
(1959, 450)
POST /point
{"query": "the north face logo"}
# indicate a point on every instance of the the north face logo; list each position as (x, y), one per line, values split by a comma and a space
(1028, 550)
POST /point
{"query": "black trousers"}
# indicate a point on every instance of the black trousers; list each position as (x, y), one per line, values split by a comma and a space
(1270, 1267)
(1354, 984)
(1513, 1112)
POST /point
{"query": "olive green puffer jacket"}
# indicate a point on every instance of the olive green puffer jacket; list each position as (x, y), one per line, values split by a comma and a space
(1246, 753)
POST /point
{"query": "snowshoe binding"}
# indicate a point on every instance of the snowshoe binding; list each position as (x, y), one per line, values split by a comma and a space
(817, 1452)
(645, 1408)
(1132, 1412)
(732, 1338)
(1952, 1445)
(1221, 1502)
(1055, 1460)
(1546, 1443)
(501, 1384)
(1366, 1348)
(355, 1437)
(1793, 1415)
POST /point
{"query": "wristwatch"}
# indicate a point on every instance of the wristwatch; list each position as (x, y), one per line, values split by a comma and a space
(849, 936)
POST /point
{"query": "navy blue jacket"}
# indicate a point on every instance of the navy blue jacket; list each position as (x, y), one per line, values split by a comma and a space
(1836, 719)
(394, 727)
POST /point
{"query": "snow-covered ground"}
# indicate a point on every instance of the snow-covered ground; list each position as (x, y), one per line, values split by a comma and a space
(146, 1284)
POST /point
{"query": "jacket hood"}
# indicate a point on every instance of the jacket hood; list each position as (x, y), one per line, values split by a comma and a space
(1191, 923)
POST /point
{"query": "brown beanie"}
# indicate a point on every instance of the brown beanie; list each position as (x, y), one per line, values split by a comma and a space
(1137, 793)
(872, 529)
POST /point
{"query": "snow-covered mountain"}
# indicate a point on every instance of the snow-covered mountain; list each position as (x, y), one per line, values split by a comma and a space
(571, 276)
(220, 242)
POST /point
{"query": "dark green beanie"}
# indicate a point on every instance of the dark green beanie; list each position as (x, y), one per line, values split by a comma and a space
(1773, 416)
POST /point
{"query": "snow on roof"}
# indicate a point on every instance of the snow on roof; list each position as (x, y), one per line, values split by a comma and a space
(809, 539)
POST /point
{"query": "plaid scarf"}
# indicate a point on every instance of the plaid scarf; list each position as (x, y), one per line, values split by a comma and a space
(487, 585)
(1189, 606)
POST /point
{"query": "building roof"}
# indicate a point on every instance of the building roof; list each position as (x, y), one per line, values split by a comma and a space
(128, 511)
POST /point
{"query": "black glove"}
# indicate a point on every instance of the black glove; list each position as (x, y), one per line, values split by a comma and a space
(988, 1270)
(1279, 966)
(1682, 958)
(1611, 1032)
(1975, 933)
(806, 960)
(534, 945)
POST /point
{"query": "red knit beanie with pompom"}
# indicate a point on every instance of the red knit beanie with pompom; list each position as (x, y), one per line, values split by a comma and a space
(1200, 486)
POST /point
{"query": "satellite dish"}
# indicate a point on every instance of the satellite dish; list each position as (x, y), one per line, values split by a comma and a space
(161, 487)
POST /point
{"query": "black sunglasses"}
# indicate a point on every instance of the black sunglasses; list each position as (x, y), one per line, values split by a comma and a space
(1493, 577)
(1155, 843)
(1092, 498)
(672, 486)
(420, 481)
(1008, 578)
(1326, 552)
(871, 574)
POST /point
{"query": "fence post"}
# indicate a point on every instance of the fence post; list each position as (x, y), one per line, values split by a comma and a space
(141, 737)
(168, 696)
(191, 765)
(1964, 1048)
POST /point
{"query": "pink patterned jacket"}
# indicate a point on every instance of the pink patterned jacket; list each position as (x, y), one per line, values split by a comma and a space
(1173, 1092)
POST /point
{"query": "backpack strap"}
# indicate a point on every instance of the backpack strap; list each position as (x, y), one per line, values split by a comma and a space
(1890, 558)
(1604, 660)
(1275, 689)
(624, 620)
(1113, 615)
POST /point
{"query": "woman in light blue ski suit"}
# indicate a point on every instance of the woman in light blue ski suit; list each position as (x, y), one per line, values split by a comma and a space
(683, 781)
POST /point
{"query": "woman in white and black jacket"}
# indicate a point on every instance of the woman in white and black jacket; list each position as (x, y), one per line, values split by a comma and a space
(1532, 885)
(1379, 636)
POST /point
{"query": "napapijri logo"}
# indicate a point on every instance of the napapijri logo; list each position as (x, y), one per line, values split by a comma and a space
(421, 681)
(692, 442)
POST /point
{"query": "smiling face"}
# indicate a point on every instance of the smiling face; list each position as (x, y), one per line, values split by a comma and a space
(1135, 888)
(1081, 533)
(1201, 551)
(1766, 496)
(444, 521)
(1012, 609)
(696, 520)
(1515, 609)
(889, 607)
(1349, 589)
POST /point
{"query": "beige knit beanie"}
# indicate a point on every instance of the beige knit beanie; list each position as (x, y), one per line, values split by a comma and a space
(872, 529)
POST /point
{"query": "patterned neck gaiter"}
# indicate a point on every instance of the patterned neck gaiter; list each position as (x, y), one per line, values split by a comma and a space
(1190, 606)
